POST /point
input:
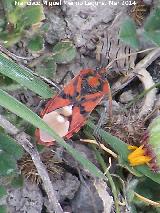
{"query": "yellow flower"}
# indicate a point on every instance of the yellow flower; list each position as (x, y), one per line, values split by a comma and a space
(138, 156)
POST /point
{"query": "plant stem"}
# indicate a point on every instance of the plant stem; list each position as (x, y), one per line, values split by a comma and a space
(108, 175)
(23, 139)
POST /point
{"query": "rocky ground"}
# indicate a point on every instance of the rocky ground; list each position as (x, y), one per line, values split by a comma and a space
(94, 32)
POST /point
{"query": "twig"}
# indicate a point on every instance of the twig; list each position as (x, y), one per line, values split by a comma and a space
(146, 200)
(138, 97)
(130, 54)
(146, 79)
(101, 145)
(17, 59)
(23, 139)
(150, 97)
(144, 63)
(10, 128)
(12, 55)
(108, 175)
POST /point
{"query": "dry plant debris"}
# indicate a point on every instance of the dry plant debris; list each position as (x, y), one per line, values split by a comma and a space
(29, 170)
(80, 23)
(139, 11)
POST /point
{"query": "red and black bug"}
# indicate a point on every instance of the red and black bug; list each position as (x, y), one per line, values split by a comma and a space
(70, 108)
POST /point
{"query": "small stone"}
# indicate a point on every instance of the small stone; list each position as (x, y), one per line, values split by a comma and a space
(148, 2)
(90, 45)
(26, 199)
(125, 97)
(83, 15)
(89, 199)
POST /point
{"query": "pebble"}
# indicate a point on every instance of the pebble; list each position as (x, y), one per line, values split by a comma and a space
(126, 96)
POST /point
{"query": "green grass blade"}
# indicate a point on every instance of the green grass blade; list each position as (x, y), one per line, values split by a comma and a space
(24, 77)
(118, 145)
(21, 110)
(122, 149)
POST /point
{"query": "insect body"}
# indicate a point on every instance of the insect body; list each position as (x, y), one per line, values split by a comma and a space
(67, 112)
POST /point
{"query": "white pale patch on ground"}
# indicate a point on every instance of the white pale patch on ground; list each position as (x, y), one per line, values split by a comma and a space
(58, 121)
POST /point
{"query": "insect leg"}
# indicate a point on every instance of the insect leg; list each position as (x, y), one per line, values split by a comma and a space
(52, 83)
(70, 73)
(100, 121)
(107, 105)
